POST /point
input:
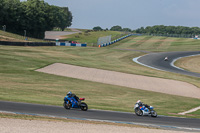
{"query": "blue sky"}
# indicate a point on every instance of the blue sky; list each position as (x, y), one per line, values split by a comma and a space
(131, 14)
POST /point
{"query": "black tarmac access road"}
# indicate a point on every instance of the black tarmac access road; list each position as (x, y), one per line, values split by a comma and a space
(156, 60)
(128, 118)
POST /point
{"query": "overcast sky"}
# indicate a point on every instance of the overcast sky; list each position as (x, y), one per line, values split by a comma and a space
(131, 14)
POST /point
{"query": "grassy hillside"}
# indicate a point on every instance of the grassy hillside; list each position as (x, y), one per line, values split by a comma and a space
(159, 44)
(19, 81)
(7, 36)
(91, 37)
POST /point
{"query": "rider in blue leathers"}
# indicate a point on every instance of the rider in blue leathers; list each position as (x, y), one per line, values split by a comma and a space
(70, 94)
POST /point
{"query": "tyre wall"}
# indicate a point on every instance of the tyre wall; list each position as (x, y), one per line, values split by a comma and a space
(70, 44)
(28, 43)
(117, 40)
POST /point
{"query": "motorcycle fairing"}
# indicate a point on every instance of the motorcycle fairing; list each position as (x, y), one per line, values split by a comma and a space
(73, 101)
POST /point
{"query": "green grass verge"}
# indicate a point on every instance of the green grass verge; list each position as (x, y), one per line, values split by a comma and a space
(7, 36)
(191, 63)
(195, 113)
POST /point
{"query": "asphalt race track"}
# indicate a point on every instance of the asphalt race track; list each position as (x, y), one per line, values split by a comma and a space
(186, 124)
(156, 61)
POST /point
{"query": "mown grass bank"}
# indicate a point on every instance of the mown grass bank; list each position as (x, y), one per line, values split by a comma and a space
(191, 63)
(19, 81)
(159, 44)
(7, 36)
(91, 37)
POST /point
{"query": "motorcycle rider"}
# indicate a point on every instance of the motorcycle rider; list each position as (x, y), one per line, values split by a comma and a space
(70, 94)
(166, 58)
(144, 109)
(139, 102)
(142, 104)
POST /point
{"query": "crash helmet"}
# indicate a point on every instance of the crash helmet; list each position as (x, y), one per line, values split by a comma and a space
(138, 101)
(69, 93)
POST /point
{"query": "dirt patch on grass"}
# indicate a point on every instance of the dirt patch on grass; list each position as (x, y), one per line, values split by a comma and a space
(122, 79)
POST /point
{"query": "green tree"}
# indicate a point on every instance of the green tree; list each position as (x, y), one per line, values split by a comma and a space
(97, 28)
(126, 29)
(33, 16)
(180, 31)
(64, 18)
(116, 28)
(140, 30)
(9, 10)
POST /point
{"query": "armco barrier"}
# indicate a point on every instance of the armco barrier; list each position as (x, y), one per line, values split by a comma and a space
(27, 43)
(119, 39)
(70, 44)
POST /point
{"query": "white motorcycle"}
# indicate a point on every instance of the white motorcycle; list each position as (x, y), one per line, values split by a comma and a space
(166, 58)
(141, 109)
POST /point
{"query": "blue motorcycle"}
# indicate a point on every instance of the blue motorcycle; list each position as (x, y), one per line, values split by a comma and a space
(71, 102)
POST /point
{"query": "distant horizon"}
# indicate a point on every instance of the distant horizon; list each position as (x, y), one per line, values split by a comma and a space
(131, 14)
(130, 28)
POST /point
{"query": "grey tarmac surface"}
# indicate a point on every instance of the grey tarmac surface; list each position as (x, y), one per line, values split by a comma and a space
(156, 60)
(186, 124)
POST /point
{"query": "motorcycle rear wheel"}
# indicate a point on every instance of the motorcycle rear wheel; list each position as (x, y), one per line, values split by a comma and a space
(84, 106)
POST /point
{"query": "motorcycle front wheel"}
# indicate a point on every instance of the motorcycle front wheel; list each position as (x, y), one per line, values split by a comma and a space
(67, 105)
(153, 113)
(138, 112)
(84, 106)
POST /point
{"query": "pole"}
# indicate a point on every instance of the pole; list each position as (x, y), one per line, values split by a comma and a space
(25, 34)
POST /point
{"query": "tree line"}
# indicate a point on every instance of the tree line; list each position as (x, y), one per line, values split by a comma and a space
(114, 28)
(164, 30)
(159, 30)
(32, 17)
